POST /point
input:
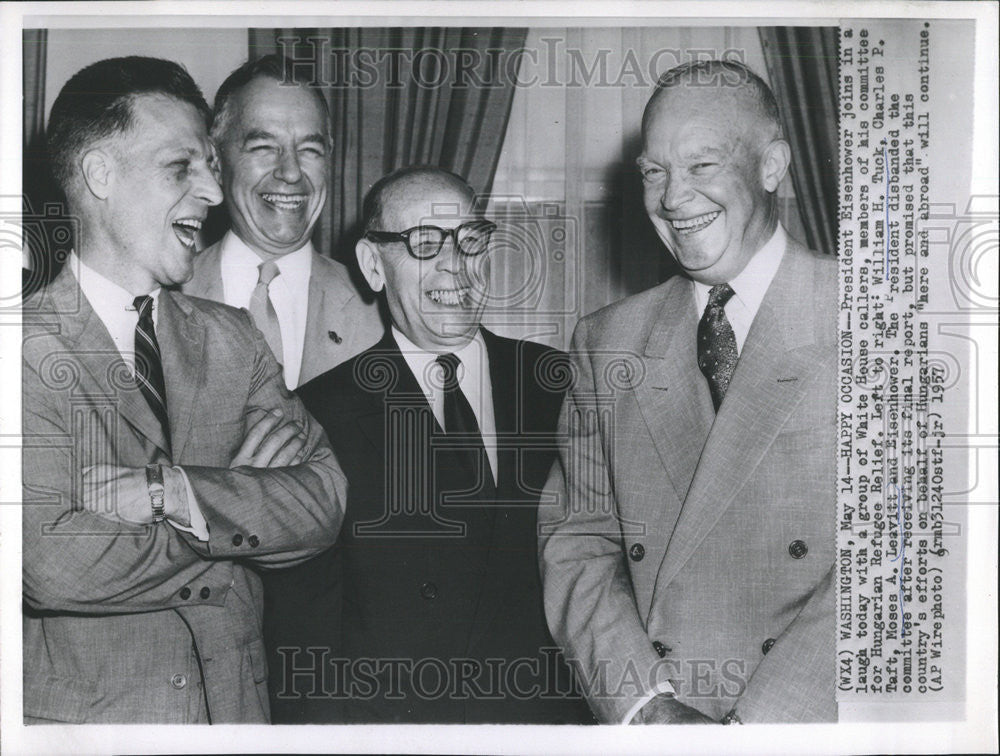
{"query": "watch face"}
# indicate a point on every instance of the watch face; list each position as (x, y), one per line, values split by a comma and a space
(154, 475)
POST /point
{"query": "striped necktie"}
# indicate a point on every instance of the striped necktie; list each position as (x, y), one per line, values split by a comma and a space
(262, 309)
(148, 365)
(717, 352)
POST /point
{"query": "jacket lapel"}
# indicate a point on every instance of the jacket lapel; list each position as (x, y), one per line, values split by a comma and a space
(779, 358)
(181, 336)
(88, 340)
(328, 296)
(673, 398)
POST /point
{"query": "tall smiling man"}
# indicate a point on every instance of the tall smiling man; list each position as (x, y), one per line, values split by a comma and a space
(429, 608)
(688, 557)
(274, 146)
(163, 454)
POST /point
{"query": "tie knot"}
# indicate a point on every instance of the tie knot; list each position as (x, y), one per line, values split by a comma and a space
(720, 294)
(268, 272)
(449, 364)
(143, 305)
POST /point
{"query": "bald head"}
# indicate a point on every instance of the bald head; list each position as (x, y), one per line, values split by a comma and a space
(412, 186)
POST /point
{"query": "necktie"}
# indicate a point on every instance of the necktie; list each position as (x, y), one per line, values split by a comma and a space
(717, 353)
(262, 310)
(459, 419)
(148, 365)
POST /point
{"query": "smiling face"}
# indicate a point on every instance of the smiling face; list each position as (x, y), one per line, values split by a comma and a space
(274, 163)
(710, 166)
(437, 303)
(159, 188)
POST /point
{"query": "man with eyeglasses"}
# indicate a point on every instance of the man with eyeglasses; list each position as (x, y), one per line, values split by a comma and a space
(429, 608)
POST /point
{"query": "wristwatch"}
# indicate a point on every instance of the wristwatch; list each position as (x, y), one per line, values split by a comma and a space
(154, 480)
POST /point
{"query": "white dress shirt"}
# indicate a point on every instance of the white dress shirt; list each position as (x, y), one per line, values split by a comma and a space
(749, 287)
(473, 380)
(289, 294)
(114, 306)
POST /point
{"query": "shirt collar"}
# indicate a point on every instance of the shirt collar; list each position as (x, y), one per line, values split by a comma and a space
(295, 267)
(109, 300)
(472, 354)
(751, 284)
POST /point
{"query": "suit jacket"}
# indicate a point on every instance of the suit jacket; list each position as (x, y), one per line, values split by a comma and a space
(148, 624)
(335, 310)
(693, 548)
(405, 582)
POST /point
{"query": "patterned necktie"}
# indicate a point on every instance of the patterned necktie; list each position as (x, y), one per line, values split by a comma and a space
(717, 353)
(148, 365)
(262, 310)
(459, 419)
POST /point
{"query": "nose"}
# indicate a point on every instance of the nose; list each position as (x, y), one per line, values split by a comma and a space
(676, 191)
(288, 168)
(448, 258)
(206, 187)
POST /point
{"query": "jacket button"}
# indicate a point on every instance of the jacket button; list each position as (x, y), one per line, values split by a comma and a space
(798, 549)
(767, 645)
(660, 648)
(637, 552)
(178, 681)
(185, 593)
(254, 541)
(237, 540)
(205, 592)
(429, 590)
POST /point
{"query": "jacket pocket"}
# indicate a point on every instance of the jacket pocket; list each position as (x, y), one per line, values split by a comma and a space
(59, 699)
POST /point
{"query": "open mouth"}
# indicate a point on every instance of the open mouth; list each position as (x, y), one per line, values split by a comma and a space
(449, 297)
(694, 225)
(286, 202)
(186, 229)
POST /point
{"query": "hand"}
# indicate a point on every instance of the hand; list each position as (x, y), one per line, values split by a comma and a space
(122, 494)
(272, 442)
(665, 709)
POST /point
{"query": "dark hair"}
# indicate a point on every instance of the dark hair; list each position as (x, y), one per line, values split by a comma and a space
(276, 67)
(97, 103)
(723, 73)
(374, 204)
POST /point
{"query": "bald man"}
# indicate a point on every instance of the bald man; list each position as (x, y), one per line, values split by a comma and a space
(429, 607)
(687, 559)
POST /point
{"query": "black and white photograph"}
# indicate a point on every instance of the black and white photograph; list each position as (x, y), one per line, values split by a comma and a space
(547, 378)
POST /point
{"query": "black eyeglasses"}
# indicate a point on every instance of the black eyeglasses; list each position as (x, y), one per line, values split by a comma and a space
(424, 242)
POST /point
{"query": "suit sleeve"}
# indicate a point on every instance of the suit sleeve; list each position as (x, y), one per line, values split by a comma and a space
(272, 517)
(589, 603)
(796, 682)
(75, 561)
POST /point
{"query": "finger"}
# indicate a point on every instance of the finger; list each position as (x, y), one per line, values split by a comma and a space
(289, 452)
(257, 433)
(273, 443)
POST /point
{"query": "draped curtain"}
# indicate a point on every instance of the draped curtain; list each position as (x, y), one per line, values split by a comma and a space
(400, 97)
(802, 67)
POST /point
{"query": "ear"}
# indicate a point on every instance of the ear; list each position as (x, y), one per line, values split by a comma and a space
(774, 164)
(370, 262)
(97, 167)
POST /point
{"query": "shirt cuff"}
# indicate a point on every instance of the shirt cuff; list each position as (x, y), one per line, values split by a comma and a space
(198, 527)
(662, 687)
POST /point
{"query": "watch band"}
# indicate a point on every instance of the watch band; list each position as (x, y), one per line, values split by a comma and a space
(154, 480)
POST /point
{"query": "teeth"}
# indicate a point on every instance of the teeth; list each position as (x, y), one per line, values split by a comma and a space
(285, 201)
(193, 223)
(691, 225)
(451, 297)
(185, 229)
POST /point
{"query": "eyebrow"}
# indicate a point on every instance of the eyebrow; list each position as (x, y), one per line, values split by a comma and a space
(255, 134)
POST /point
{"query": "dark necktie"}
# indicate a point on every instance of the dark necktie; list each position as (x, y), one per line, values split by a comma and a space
(262, 310)
(148, 365)
(460, 420)
(717, 353)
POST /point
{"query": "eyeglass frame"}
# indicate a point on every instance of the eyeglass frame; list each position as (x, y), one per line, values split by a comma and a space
(387, 237)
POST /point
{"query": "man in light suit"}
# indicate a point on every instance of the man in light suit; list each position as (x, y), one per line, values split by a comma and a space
(274, 147)
(163, 454)
(429, 608)
(688, 557)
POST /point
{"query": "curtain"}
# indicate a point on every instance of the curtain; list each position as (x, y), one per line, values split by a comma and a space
(399, 97)
(802, 67)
